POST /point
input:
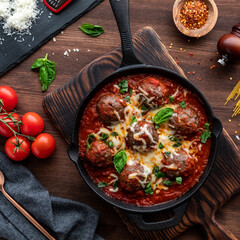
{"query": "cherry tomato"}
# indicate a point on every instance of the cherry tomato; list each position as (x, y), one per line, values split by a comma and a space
(17, 148)
(43, 146)
(32, 124)
(8, 98)
(5, 130)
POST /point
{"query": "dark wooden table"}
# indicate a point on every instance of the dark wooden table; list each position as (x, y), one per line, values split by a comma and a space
(58, 174)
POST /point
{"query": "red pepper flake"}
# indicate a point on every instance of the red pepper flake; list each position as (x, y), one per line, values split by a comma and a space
(200, 79)
(191, 54)
(213, 66)
(188, 72)
(194, 14)
(177, 62)
(193, 72)
(198, 63)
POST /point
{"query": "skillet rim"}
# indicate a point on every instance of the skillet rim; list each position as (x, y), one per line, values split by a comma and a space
(127, 70)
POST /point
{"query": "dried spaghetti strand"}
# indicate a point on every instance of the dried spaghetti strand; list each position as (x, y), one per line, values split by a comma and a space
(235, 91)
(236, 110)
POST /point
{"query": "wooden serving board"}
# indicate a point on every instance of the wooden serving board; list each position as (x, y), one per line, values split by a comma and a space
(224, 180)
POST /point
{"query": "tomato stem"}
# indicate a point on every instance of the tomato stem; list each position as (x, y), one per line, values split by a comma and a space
(16, 133)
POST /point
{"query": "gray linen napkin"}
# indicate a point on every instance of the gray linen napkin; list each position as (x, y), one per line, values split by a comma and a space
(65, 219)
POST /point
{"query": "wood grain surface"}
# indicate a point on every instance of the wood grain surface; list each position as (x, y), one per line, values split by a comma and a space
(61, 106)
(59, 175)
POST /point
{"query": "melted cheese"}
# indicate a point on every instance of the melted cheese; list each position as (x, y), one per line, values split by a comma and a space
(151, 158)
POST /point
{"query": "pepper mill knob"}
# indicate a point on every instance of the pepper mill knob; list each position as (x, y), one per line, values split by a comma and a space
(229, 46)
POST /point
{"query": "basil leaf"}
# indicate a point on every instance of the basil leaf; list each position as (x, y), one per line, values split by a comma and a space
(47, 71)
(179, 180)
(114, 134)
(120, 160)
(91, 30)
(130, 90)
(102, 184)
(163, 115)
(104, 136)
(170, 98)
(161, 146)
(123, 86)
(127, 98)
(148, 189)
(38, 63)
(167, 183)
(133, 119)
(182, 104)
(90, 139)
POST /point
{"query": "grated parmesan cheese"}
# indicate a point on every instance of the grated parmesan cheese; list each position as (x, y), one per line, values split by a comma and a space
(18, 15)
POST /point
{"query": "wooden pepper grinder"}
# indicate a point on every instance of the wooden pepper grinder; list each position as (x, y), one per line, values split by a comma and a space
(229, 46)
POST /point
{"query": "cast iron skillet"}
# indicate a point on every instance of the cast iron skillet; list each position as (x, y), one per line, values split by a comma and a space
(131, 65)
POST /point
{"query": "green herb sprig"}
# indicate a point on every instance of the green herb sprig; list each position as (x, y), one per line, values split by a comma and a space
(47, 71)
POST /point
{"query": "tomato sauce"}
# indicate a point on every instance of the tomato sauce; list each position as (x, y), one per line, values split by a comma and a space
(91, 123)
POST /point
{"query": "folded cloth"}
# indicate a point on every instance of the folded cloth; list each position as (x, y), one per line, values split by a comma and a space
(64, 219)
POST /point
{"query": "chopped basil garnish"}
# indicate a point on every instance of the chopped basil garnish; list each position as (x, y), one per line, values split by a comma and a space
(90, 139)
(102, 184)
(161, 146)
(177, 141)
(91, 30)
(144, 107)
(177, 144)
(130, 90)
(114, 134)
(127, 98)
(163, 115)
(172, 138)
(207, 125)
(170, 98)
(148, 189)
(119, 160)
(157, 172)
(167, 183)
(115, 184)
(110, 143)
(167, 153)
(133, 119)
(182, 104)
(206, 133)
(157, 126)
(104, 136)
(123, 86)
(179, 180)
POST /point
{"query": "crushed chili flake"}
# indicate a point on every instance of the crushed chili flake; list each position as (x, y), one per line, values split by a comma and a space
(194, 14)
(191, 54)
(213, 66)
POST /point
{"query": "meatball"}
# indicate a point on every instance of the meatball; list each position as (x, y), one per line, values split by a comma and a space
(184, 121)
(133, 178)
(110, 108)
(142, 136)
(100, 154)
(178, 163)
(154, 92)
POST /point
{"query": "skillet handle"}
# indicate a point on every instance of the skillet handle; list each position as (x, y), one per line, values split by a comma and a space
(120, 9)
(178, 212)
(73, 152)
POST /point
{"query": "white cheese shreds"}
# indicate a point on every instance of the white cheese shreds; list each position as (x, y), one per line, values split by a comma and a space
(18, 15)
